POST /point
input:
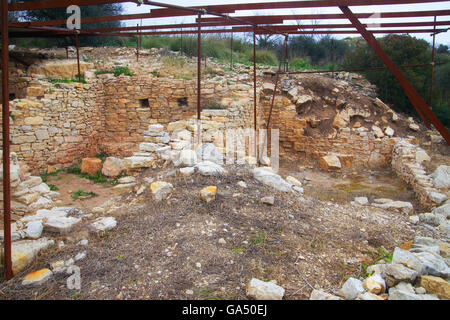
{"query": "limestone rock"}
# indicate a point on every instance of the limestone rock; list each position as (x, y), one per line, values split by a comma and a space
(91, 166)
(103, 224)
(61, 225)
(266, 176)
(351, 289)
(112, 167)
(208, 194)
(375, 284)
(161, 190)
(436, 285)
(208, 168)
(395, 273)
(34, 229)
(37, 277)
(441, 177)
(363, 201)
(24, 251)
(322, 295)
(209, 152)
(187, 171)
(268, 200)
(293, 181)
(261, 290)
(188, 158)
(330, 163)
(400, 206)
(369, 296)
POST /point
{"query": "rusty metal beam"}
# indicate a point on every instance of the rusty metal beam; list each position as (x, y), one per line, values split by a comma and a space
(416, 100)
(272, 19)
(199, 69)
(5, 136)
(53, 4)
(249, 29)
(337, 16)
(77, 45)
(286, 5)
(432, 64)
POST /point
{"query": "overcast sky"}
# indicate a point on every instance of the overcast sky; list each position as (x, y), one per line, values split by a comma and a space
(443, 38)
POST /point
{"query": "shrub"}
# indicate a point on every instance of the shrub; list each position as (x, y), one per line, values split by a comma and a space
(117, 71)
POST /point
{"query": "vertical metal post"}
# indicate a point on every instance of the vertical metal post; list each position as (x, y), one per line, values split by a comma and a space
(181, 40)
(137, 42)
(67, 52)
(77, 44)
(332, 57)
(231, 52)
(5, 134)
(199, 66)
(433, 53)
(254, 90)
(286, 65)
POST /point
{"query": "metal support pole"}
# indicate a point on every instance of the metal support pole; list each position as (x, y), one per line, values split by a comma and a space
(5, 134)
(231, 52)
(433, 53)
(137, 43)
(77, 44)
(332, 57)
(199, 66)
(286, 64)
(67, 52)
(181, 40)
(254, 90)
(416, 100)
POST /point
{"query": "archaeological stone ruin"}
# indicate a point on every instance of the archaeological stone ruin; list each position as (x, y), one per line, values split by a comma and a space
(139, 134)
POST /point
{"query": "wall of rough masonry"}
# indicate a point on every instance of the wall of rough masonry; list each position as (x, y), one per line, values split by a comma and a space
(407, 162)
(58, 125)
(355, 148)
(132, 103)
(59, 128)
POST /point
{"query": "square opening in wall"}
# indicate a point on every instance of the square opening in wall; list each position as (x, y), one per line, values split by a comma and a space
(182, 102)
(144, 103)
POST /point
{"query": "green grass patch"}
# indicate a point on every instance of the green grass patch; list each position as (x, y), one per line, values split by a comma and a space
(259, 238)
(52, 187)
(237, 250)
(117, 71)
(82, 193)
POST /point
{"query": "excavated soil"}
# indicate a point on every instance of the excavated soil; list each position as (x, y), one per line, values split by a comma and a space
(161, 250)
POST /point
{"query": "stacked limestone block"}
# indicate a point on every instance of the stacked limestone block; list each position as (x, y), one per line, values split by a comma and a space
(407, 163)
(28, 193)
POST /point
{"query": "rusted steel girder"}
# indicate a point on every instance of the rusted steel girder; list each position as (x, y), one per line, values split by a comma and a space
(255, 19)
(199, 68)
(77, 44)
(432, 64)
(5, 136)
(173, 11)
(290, 30)
(416, 100)
(336, 16)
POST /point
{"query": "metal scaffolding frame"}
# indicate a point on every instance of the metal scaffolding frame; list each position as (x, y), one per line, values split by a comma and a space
(222, 18)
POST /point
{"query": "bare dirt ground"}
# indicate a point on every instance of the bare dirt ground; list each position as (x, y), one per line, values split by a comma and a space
(162, 250)
(67, 184)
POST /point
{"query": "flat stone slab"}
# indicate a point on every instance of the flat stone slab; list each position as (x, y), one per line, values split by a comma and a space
(103, 224)
(61, 225)
(37, 277)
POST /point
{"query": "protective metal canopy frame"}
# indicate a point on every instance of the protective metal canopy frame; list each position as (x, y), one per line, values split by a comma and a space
(221, 20)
